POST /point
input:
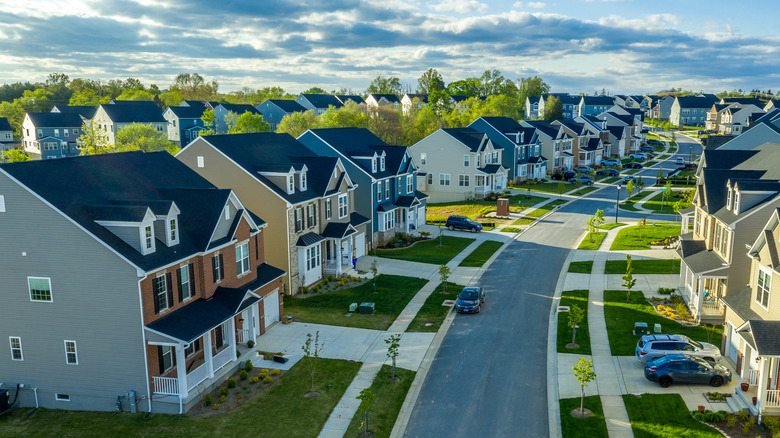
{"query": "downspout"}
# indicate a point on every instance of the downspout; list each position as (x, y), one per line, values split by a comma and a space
(143, 339)
(289, 258)
(35, 391)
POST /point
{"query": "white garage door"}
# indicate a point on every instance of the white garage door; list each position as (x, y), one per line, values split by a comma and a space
(420, 216)
(271, 308)
(360, 245)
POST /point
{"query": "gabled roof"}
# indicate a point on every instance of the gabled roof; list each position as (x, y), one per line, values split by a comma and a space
(469, 137)
(392, 98)
(286, 105)
(134, 112)
(353, 97)
(743, 100)
(592, 145)
(187, 112)
(85, 111)
(697, 101)
(423, 97)
(765, 336)
(597, 100)
(322, 101)
(195, 103)
(239, 108)
(56, 120)
(542, 127)
(4, 125)
(503, 131)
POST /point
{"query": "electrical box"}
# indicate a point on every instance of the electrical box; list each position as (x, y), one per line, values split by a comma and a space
(4, 400)
(640, 328)
(367, 308)
(353, 307)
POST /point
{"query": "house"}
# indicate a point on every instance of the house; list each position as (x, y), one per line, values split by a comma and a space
(141, 267)
(184, 123)
(583, 131)
(344, 98)
(274, 110)
(110, 118)
(629, 141)
(307, 200)
(532, 105)
(691, 110)
(593, 105)
(458, 164)
(522, 149)
(408, 100)
(763, 131)
(386, 179)
(319, 103)
(662, 109)
(736, 192)
(737, 117)
(6, 135)
(223, 109)
(569, 103)
(52, 134)
(742, 101)
(714, 116)
(558, 151)
(388, 100)
(87, 112)
(752, 325)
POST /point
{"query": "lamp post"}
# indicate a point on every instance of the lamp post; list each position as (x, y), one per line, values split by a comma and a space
(617, 202)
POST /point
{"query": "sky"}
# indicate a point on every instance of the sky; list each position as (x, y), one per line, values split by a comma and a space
(622, 46)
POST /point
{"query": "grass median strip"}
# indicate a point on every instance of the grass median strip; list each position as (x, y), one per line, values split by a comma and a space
(478, 207)
(594, 426)
(510, 230)
(432, 313)
(583, 267)
(611, 225)
(481, 254)
(662, 416)
(389, 399)
(592, 240)
(580, 299)
(671, 266)
(429, 251)
(640, 237)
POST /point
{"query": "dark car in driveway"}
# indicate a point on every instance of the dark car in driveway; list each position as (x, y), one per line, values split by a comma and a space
(608, 172)
(462, 223)
(633, 165)
(470, 300)
(684, 368)
(647, 148)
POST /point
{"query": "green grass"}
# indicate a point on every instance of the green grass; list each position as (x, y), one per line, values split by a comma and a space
(664, 415)
(631, 171)
(640, 237)
(523, 221)
(583, 267)
(594, 426)
(389, 398)
(510, 229)
(393, 294)
(481, 254)
(611, 180)
(432, 312)
(650, 163)
(548, 187)
(644, 266)
(544, 209)
(621, 316)
(478, 207)
(585, 190)
(661, 204)
(611, 225)
(597, 239)
(429, 250)
(571, 298)
(285, 399)
(630, 203)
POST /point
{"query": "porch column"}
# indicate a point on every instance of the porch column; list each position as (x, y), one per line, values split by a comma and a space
(763, 372)
(337, 244)
(232, 336)
(255, 310)
(181, 370)
(699, 297)
(207, 353)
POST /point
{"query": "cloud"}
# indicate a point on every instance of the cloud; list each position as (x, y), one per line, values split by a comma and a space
(460, 6)
(536, 5)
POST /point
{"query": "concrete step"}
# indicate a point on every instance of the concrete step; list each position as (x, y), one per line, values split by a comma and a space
(744, 401)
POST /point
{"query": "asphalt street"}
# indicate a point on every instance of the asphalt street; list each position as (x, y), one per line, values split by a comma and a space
(489, 377)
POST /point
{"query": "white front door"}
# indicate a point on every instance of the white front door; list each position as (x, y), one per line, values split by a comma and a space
(271, 308)
(346, 252)
(360, 245)
(733, 344)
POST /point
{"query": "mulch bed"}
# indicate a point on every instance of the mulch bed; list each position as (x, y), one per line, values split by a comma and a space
(740, 430)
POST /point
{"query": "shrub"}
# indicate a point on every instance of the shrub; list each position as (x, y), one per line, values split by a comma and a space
(747, 426)
(743, 415)
(208, 399)
(305, 290)
(243, 375)
(250, 344)
(222, 399)
(267, 379)
(330, 277)
(239, 396)
(238, 354)
(263, 370)
(661, 308)
(682, 310)
(248, 366)
(731, 420)
(231, 383)
(253, 380)
(260, 385)
(772, 423)
(267, 356)
(224, 390)
(714, 417)
(275, 372)
(216, 407)
(227, 405)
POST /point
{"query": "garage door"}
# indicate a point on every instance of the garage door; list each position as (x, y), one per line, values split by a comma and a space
(271, 308)
(420, 216)
(360, 245)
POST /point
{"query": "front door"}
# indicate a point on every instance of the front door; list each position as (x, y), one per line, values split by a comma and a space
(346, 252)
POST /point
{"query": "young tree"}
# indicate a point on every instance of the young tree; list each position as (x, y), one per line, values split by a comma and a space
(576, 314)
(599, 219)
(685, 202)
(297, 123)
(628, 280)
(384, 85)
(553, 109)
(584, 374)
(366, 398)
(143, 137)
(444, 275)
(591, 227)
(311, 352)
(13, 156)
(393, 343)
(92, 141)
(630, 188)
(430, 81)
(247, 122)
(640, 184)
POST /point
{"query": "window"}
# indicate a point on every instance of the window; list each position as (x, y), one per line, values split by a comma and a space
(290, 184)
(201, 162)
(166, 358)
(40, 289)
(191, 349)
(463, 180)
(495, 156)
(148, 238)
(444, 179)
(387, 189)
(342, 206)
(373, 165)
(476, 164)
(429, 179)
(409, 184)
(49, 146)
(382, 164)
(311, 215)
(736, 202)
(303, 181)
(65, 131)
(763, 286)
(217, 268)
(242, 258)
(298, 212)
(40, 133)
(466, 159)
(16, 348)
(725, 241)
(160, 291)
(71, 356)
(56, 132)
(389, 221)
(328, 210)
(423, 158)
(62, 397)
(718, 229)
(172, 230)
(185, 283)
(379, 191)
(697, 223)
(312, 257)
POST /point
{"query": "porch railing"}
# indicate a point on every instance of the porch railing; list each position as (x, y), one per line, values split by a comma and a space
(773, 398)
(166, 385)
(753, 377)
(221, 359)
(714, 307)
(329, 265)
(243, 336)
(197, 375)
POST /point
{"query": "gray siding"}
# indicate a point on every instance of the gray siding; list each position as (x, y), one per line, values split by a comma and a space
(130, 235)
(223, 227)
(95, 303)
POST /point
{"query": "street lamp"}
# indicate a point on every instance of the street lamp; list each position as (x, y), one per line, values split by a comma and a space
(617, 202)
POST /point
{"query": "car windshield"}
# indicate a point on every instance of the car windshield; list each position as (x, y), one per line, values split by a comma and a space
(701, 361)
(696, 344)
(469, 295)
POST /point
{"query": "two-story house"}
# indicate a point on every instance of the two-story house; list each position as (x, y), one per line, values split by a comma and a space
(532, 105)
(737, 117)
(138, 266)
(52, 134)
(736, 192)
(307, 200)
(274, 110)
(558, 154)
(408, 101)
(319, 103)
(662, 109)
(222, 110)
(6, 135)
(522, 148)
(110, 118)
(388, 100)
(184, 123)
(587, 147)
(458, 164)
(691, 110)
(594, 105)
(764, 130)
(386, 179)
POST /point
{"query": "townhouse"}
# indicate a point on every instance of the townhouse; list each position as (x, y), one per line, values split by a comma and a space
(274, 110)
(110, 118)
(307, 200)
(52, 134)
(522, 149)
(691, 110)
(184, 122)
(587, 145)
(6, 135)
(556, 150)
(408, 101)
(143, 280)
(764, 129)
(593, 105)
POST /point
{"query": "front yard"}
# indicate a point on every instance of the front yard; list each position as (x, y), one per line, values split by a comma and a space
(481, 254)
(594, 426)
(392, 295)
(664, 415)
(429, 251)
(580, 299)
(671, 266)
(478, 207)
(640, 237)
(389, 399)
(432, 313)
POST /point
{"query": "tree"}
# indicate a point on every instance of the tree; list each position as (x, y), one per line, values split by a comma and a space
(93, 141)
(36, 101)
(599, 218)
(584, 374)
(553, 109)
(247, 122)
(311, 352)
(297, 123)
(393, 342)
(640, 184)
(348, 116)
(430, 81)
(143, 137)
(444, 275)
(88, 97)
(384, 85)
(493, 83)
(136, 95)
(385, 123)
(576, 314)
(466, 87)
(314, 90)
(15, 115)
(630, 187)
(192, 86)
(531, 87)
(13, 156)
(628, 280)
(591, 227)
(366, 398)
(685, 202)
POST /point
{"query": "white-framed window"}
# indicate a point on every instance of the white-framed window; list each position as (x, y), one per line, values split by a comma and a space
(40, 133)
(40, 289)
(201, 161)
(429, 179)
(65, 131)
(389, 221)
(736, 202)
(56, 132)
(379, 191)
(409, 184)
(444, 179)
(160, 290)
(495, 156)
(190, 350)
(373, 165)
(166, 358)
(148, 237)
(343, 210)
(16, 348)
(423, 158)
(763, 286)
(328, 209)
(728, 198)
(476, 164)
(466, 160)
(173, 232)
(463, 180)
(382, 163)
(400, 185)
(71, 354)
(312, 257)
(62, 397)
(303, 181)
(75, 131)
(242, 258)
(290, 184)
(387, 189)
(184, 279)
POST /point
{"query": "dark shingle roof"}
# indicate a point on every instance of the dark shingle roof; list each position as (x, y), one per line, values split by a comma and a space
(353, 97)
(4, 125)
(134, 112)
(490, 169)
(309, 239)
(744, 101)
(542, 127)
(766, 336)
(697, 101)
(56, 120)
(389, 97)
(338, 230)
(85, 111)
(593, 144)
(239, 108)
(598, 100)
(739, 301)
(323, 101)
(470, 137)
(286, 105)
(187, 112)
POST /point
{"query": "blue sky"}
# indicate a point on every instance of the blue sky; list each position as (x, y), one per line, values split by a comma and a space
(623, 46)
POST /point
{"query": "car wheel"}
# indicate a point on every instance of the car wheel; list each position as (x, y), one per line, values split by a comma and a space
(665, 381)
(473, 229)
(716, 381)
(479, 308)
(450, 227)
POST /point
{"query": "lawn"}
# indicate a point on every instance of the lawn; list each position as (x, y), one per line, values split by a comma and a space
(628, 204)
(429, 251)
(585, 190)
(644, 266)
(546, 187)
(650, 163)
(523, 221)
(621, 316)
(631, 171)
(637, 237)
(389, 399)
(583, 267)
(611, 225)
(285, 399)
(663, 204)
(481, 254)
(510, 229)
(664, 415)
(432, 311)
(611, 180)
(596, 238)
(594, 426)
(393, 293)
(544, 209)
(478, 207)
(571, 298)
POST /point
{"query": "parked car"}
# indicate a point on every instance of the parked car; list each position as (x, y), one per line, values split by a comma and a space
(585, 180)
(680, 160)
(633, 165)
(608, 172)
(610, 162)
(470, 300)
(462, 223)
(638, 156)
(647, 148)
(564, 176)
(582, 169)
(651, 347)
(627, 178)
(685, 368)
(654, 142)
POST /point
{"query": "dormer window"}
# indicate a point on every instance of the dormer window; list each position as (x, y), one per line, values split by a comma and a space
(382, 163)
(290, 185)
(173, 232)
(728, 198)
(147, 238)
(736, 202)
(373, 165)
(303, 181)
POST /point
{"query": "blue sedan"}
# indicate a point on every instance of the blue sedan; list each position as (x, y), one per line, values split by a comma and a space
(684, 368)
(470, 300)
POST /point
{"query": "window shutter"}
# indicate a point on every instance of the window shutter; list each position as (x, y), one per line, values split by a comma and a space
(192, 279)
(314, 215)
(160, 359)
(178, 283)
(173, 354)
(169, 288)
(257, 250)
(197, 344)
(154, 296)
(214, 268)
(221, 267)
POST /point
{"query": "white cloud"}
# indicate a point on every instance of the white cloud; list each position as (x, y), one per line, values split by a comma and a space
(517, 5)
(537, 5)
(460, 6)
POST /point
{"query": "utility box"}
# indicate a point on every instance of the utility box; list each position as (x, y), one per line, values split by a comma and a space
(353, 307)
(657, 328)
(367, 308)
(640, 328)
(4, 400)
(502, 207)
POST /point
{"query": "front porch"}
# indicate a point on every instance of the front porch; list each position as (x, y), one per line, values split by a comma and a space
(703, 294)
(758, 365)
(489, 183)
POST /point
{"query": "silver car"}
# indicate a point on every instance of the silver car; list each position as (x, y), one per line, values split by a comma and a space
(652, 347)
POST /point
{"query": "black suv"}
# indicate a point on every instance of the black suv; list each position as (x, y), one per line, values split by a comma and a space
(462, 223)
